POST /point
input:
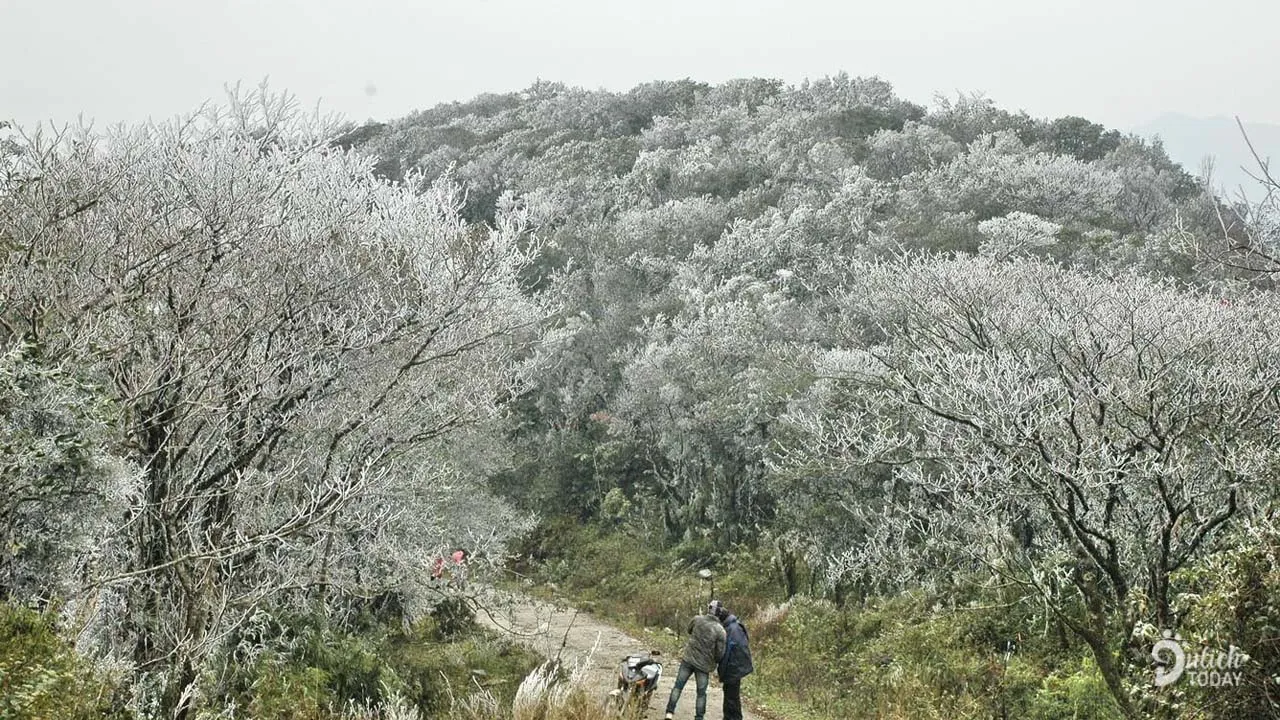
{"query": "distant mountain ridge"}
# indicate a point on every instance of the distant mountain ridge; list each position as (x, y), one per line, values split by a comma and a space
(1189, 140)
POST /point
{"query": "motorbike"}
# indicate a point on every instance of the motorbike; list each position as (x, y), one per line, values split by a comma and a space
(638, 677)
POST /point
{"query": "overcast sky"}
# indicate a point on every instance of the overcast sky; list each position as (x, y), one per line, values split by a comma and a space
(1120, 62)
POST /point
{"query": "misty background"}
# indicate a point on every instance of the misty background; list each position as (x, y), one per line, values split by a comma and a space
(1180, 70)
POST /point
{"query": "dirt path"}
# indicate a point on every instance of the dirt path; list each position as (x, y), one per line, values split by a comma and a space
(571, 634)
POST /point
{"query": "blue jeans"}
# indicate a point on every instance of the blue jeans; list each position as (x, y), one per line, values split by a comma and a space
(682, 677)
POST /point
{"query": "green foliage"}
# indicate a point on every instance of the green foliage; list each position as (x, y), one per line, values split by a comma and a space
(306, 666)
(1071, 693)
(452, 618)
(286, 692)
(557, 471)
(1080, 138)
(615, 507)
(315, 671)
(433, 674)
(912, 656)
(1232, 598)
(42, 677)
(916, 655)
(622, 571)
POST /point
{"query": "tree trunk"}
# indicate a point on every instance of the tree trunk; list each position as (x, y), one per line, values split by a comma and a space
(1108, 664)
(176, 703)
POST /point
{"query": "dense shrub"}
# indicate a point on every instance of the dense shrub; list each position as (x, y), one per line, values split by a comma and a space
(42, 677)
(312, 669)
(1232, 598)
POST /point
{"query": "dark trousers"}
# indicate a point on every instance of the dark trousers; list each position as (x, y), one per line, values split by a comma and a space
(682, 677)
(732, 699)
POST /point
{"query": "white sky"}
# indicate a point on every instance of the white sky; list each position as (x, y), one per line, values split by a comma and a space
(1119, 62)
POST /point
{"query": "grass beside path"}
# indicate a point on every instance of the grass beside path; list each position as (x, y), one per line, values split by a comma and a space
(916, 656)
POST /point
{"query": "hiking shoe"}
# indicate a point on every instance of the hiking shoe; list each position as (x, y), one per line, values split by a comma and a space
(669, 716)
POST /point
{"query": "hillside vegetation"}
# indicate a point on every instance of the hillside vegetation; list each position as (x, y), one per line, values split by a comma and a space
(951, 350)
(916, 382)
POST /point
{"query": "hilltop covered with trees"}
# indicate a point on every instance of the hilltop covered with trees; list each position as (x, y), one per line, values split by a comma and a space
(902, 347)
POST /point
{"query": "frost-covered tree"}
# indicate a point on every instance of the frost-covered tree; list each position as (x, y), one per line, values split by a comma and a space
(914, 148)
(285, 339)
(972, 115)
(1250, 228)
(998, 174)
(1079, 138)
(700, 399)
(1016, 233)
(1080, 437)
(780, 185)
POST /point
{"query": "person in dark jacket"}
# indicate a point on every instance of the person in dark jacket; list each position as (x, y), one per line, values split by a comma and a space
(701, 655)
(736, 663)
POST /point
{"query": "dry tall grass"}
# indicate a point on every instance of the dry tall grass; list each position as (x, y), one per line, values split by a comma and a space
(394, 707)
(555, 690)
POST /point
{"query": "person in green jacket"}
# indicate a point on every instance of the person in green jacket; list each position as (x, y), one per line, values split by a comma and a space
(702, 654)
